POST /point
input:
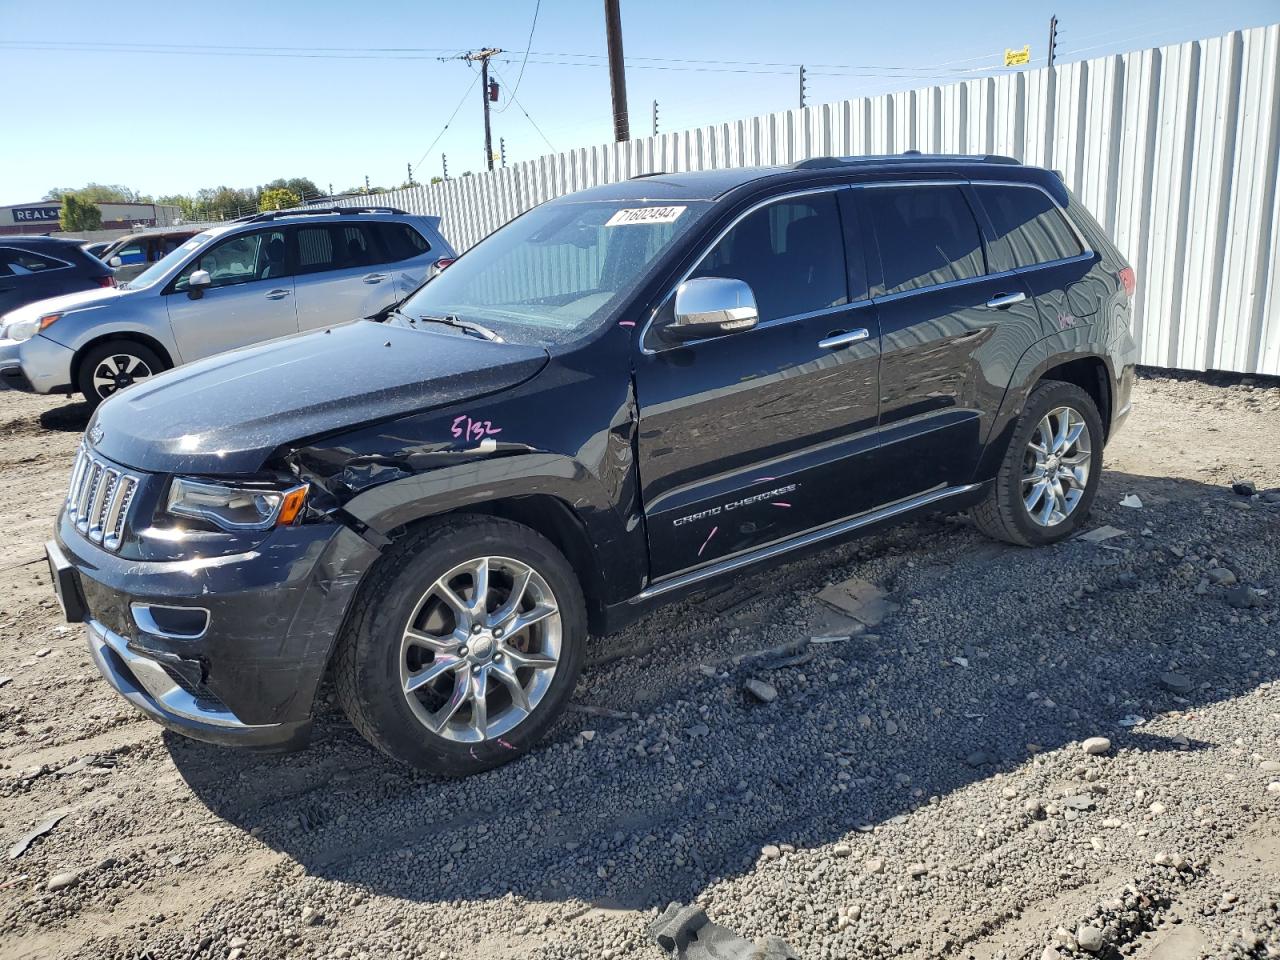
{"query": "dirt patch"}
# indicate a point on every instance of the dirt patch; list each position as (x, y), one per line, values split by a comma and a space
(917, 789)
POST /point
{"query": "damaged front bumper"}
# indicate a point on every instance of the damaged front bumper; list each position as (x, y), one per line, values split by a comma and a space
(183, 708)
(265, 623)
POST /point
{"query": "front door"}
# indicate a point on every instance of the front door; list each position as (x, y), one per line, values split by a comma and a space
(944, 324)
(343, 274)
(249, 298)
(748, 438)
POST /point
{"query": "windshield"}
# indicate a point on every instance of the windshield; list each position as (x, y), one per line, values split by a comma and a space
(553, 274)
(162, 266)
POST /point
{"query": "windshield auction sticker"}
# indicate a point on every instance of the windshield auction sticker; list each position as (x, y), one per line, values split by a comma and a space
(632, 215)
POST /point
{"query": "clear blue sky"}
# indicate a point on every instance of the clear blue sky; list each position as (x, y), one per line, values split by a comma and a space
(163, 120)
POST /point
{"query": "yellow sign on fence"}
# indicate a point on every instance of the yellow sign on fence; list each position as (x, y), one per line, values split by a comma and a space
(1017, 58)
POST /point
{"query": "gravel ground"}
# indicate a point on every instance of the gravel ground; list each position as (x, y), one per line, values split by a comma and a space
(929, 786)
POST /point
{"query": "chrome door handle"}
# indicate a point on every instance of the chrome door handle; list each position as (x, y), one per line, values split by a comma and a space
(374, 277)
(1005, 300)
(277, 294)
(838, 340)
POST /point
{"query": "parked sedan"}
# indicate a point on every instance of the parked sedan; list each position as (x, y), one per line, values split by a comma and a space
(255, 279)
(34, 268)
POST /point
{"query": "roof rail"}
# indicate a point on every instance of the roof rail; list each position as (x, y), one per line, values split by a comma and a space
(651, 173)
(908, 156)
(312, 211)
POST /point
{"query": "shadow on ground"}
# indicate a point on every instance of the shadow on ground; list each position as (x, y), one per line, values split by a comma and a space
(997, 652)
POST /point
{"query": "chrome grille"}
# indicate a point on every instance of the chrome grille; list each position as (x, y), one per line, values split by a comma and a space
(99, 497)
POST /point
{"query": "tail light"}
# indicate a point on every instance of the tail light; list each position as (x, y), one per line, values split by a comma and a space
(444, 262)
(1130, 281)
(436, 268)
(107, 281)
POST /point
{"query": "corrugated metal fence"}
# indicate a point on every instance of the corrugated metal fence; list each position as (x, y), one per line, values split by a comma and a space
(1173, 149)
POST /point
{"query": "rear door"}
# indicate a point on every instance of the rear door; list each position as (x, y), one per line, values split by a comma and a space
(249, 299)
(946, 321)
(1030, 234)
(749, 438)
(342, 273)
(408, 255)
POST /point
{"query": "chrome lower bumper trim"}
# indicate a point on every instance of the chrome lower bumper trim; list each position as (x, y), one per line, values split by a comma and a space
(149, 687)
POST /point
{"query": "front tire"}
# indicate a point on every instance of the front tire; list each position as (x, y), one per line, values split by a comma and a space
(464, 646)
(1050, 473)
(112, 366)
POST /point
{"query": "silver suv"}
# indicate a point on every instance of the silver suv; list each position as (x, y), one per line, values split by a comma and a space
(258, 278)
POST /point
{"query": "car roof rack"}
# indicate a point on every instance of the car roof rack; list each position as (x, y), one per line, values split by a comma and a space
(908, 156)
(315, 211)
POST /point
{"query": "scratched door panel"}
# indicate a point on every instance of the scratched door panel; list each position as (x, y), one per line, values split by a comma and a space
(752, 437)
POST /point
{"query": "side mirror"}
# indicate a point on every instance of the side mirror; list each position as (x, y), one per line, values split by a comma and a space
(197, 283)
(711, 307)
(115, 262)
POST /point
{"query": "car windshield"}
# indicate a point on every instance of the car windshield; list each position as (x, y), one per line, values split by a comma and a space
(162, 266)
(555, 273)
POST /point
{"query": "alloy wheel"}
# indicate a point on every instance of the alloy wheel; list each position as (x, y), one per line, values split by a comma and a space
(1055, 466)
(118, 371)
(480, 649)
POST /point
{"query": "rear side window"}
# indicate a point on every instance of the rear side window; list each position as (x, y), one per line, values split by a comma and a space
(22, 263)
(357, 246)
(401, 241)
(1030, 223)
(791, 254)
(927, 235)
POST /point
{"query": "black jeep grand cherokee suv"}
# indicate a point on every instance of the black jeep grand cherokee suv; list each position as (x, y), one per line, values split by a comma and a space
(616, 398)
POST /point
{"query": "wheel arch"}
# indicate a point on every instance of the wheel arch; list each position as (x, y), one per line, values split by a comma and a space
(553, 517)
(146, 340)
(1072, 357)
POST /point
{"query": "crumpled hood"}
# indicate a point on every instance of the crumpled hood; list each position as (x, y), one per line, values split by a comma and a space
(83, 299)
(226, 414)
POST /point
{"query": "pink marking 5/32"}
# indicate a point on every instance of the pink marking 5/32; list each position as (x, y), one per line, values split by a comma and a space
(708, 540)
(779, 503)
(626, 323)
(469, 429)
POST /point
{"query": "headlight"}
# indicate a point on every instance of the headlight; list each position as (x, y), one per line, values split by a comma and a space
(235, 508)
(26, 329)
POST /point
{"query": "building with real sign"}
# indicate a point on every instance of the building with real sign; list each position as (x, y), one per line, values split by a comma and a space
(42, 216)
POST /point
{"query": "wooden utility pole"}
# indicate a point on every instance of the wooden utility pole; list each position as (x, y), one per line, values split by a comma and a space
(617, 71)
(483, 56)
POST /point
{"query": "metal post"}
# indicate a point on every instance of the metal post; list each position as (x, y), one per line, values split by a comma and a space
(617, 71)
(1053, 38)
(655, 118)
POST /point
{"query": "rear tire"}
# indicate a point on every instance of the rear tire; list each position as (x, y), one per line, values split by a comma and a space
(1049, 476)
(444, 682)
(114, 365)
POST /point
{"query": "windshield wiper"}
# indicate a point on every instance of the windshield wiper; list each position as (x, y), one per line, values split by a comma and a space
(466, 326)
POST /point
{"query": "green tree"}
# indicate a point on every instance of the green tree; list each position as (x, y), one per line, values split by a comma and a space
(100, 193)
(301, 187)
(79, 214)
(278, 198)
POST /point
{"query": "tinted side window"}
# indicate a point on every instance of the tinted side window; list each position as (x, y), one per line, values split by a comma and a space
(791, 254)
(1031, 223)
(927, 235)
(401, 241)
(21, 263)
(357, 246)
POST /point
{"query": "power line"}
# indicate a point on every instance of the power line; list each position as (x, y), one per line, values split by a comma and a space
(527, 117)
(474, 80)
(520, 77)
